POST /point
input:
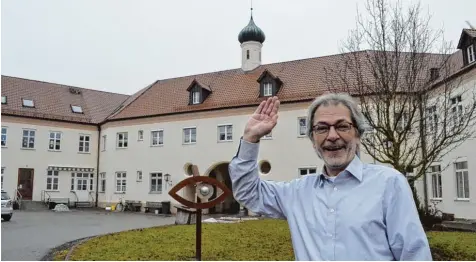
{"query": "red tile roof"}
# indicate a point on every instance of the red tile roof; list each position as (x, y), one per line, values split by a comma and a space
(302, 80)
(53, 101)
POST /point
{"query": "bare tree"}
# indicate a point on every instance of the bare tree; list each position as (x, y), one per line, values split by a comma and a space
(410, 86)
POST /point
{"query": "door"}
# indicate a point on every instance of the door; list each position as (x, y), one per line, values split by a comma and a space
(82, 184)
(25, 182)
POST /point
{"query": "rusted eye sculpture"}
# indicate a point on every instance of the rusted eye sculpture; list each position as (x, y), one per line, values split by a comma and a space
(204, 189)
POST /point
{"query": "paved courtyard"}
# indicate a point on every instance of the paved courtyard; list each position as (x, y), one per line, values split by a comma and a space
(29, 235)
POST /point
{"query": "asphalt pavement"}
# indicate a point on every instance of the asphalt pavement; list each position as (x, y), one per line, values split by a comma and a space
(30, 235)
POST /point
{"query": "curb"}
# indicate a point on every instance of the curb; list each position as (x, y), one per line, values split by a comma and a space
(50, 254)
(71, 245)
(71, 249)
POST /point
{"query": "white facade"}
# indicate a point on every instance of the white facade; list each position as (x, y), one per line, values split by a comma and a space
(206, 150)
(143, 165)
(38, 157)
(453, 189)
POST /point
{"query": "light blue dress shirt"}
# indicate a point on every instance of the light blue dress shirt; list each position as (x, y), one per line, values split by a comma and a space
(366, 213)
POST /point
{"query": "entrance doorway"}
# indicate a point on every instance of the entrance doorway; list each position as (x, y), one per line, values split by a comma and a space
(82, 184)
(230, 205)
(25, 182)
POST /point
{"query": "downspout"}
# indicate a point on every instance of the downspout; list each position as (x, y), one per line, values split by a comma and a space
(97, 165)
(423, 149)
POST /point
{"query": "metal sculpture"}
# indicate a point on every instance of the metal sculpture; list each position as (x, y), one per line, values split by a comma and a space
(203, 191)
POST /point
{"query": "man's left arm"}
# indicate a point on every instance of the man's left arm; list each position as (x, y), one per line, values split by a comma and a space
(405, 233)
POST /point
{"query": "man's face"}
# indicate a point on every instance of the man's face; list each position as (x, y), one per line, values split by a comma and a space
(337, 144)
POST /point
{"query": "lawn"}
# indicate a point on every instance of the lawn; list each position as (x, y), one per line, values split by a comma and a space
(251, 240)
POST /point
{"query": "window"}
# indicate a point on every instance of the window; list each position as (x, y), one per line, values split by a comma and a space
(156, 183)
(77, 109)
(84, 143)
(225, 133)
(28, 103)
(196, 97)
(121, 182)
(402, 120)
(91, 182)
(4, 99)
(157, 137)
(190, 135)
(432, 119)
(435, 174)
(4, 136)
(102, 178)
(55, 141)
(307, 171)
(104, 138)
(302, 126)
(28, 140)
(247, 54)
(82, 181)
(267, 89)
(139, 176)
(52, 178)
(471, 54)
(140, 135)
(122, 140)
(456, 110)
(462, 180)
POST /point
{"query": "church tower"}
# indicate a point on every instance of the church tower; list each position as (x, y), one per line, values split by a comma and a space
(251, 39)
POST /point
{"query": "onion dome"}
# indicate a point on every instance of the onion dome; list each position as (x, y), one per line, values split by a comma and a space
(251, 32)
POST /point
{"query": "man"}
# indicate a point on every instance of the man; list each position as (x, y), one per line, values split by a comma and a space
(348, 211)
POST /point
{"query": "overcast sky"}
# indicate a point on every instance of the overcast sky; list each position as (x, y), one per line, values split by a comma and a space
(121, 46)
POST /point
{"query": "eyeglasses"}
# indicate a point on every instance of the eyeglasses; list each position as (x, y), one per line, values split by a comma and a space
(342, 127)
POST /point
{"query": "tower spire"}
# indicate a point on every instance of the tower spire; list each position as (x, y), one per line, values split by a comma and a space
(251, 8)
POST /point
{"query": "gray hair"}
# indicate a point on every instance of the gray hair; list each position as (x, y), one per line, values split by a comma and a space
(356, 115)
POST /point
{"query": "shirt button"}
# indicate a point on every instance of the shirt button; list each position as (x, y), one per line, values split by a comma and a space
(332, 210)
(335, 188)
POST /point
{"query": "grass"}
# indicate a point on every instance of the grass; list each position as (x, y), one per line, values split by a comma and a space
(251, 240)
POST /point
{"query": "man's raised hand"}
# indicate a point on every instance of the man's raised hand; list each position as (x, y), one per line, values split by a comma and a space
(263, 120)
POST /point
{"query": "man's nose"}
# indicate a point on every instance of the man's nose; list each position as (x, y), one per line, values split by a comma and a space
(332, 135)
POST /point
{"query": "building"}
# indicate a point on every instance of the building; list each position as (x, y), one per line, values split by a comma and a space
(82, 145)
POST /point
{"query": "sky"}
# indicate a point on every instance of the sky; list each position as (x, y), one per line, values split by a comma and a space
(122, 46)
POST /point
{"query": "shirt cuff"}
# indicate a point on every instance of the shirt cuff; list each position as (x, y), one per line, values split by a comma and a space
(248, 150)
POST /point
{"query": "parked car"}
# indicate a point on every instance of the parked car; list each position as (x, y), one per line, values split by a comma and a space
(7, 206)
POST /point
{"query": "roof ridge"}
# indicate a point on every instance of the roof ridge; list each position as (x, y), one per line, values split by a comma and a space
(66, 85)
(282, 62)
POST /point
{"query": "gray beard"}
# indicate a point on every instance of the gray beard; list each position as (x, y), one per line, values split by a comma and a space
(335, 166)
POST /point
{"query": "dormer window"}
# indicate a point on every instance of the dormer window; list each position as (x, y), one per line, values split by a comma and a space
(4, 100)
(269, 84)
(77, 109)
(467, 44)
(267, 89)
(471, 54)
(198, 92)
(196, 97)
(28, 103)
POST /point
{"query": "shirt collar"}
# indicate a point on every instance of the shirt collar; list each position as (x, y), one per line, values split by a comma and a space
(355, 168)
